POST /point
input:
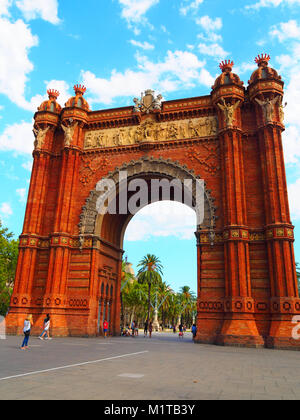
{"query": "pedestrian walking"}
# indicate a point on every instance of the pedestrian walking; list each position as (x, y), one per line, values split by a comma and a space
(180, 331)
(132, 328)
(105, 328)
(136, 330)
(150, 330)
(194, 331)
(146, 329)
(46, 329)
(28, 323)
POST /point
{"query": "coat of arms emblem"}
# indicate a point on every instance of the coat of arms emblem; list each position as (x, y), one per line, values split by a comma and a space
(148, 102)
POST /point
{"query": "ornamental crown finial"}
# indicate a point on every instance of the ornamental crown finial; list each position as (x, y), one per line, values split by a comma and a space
(226, 65)
(79, 89)
(53, 93)
(262, 58)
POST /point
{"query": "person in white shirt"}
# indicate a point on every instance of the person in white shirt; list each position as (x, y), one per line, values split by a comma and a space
(46, 329)
(26, 330)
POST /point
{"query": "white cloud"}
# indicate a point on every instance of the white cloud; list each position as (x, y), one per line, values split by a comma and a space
(162, 219)
(144, 45)
(210, 37)
(4, 6)
(213, 50)
(244, 68)
(5, 210)
(294, 199)
(192, 7)
(134, 12)
(272, 3)
(179, 69)
(290, 69)
(286, 30)
(16, 40)
(208, 24)
(18, 138)
(21, 192)
(45, 9)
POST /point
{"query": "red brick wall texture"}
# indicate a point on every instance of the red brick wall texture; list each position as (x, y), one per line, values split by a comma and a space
(70, 257)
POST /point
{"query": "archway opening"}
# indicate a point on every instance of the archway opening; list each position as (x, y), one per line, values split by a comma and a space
(165, 229)
(116, 197)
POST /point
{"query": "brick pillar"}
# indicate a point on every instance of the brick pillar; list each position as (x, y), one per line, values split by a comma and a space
(56, 285)
(210, 312)
(266, 94)
(22, 301)
(284, 301)
(239, 326)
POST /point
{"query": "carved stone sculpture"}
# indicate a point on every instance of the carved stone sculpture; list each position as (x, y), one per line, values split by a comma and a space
(268, 108)
(69, 131)
(148, 102)
(151, 131)
(40, 136)
(228, 110)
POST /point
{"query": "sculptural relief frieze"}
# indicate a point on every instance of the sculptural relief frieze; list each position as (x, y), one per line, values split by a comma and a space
(151, 131)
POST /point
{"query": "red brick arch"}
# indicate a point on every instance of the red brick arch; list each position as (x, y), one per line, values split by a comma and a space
(247, 285)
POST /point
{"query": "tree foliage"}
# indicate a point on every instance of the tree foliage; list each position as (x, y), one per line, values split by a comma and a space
(150, 273)
(8, 263)
(139, 297)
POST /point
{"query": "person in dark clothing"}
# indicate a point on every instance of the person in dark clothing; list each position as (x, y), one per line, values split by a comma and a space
(180, 331)
(194, 330)
(146, 329)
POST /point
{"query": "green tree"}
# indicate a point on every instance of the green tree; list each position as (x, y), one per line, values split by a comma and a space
(150, 273)
(126, 278)
(164, 296)
(8, 263)
(175, 308)
(135, 300)
(188, 302)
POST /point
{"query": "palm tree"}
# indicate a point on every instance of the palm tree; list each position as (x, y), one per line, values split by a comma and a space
(150, 273)
(175, 307)
(126, 277)
(188, 302)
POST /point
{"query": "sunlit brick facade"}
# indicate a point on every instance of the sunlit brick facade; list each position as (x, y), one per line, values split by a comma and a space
(70, 257)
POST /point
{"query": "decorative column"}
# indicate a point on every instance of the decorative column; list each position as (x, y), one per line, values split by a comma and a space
(22, 301)
(73, 118)
(266, 93)
(239, 327)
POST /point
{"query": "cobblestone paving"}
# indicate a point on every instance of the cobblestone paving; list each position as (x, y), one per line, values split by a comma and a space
(163, 368)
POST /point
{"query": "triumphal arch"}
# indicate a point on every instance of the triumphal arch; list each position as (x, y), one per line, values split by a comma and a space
(70, 256)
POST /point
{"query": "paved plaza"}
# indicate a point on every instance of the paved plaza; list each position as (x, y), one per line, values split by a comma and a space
(126, 368)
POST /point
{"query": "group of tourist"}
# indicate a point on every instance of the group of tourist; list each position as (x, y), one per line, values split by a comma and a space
(148, 328)
(182, 330)
(28, 324)
(133, 331)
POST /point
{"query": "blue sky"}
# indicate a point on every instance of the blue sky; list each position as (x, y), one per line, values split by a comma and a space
(119, 48)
